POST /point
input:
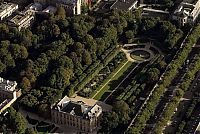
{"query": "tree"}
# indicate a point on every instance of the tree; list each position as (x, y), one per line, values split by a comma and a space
(129, 35)
(84, 9)
(44, 110)
(86, 58)
(25, 84)
(153, 74)
(162, 64)
(168, 3)
(16, 121)
(109, 121)
(30, 131)
(2, 67)
(29, 101)
(20, 122)
(61, 13)
(123, 110)
(55, 31)
(60, 78)
(65, 62)
(8, 60)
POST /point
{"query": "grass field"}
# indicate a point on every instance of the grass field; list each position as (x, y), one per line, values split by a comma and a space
(113, 80)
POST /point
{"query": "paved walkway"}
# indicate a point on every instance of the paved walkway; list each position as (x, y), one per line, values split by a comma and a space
(121, 82)
(128, 54)
(109, 80)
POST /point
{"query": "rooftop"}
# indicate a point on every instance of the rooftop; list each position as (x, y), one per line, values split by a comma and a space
(186, 7)
(7, 85)
(5, 6)
(35, 6)
(50, 9)
(75, 108)
(78, 108)
(21, 17)
(190, 1)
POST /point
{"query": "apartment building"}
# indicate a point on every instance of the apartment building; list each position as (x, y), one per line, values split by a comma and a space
(23, 19)
(187, 12)
(8, 93)
(6, 9)
(76, 114)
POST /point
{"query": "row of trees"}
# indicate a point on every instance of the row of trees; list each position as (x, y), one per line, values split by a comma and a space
(103, 74)
(170, 74)
(172, 105)
(187, 116)
(131, 92)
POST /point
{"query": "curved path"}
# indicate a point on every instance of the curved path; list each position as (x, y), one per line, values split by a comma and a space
(128, 54)
(147, 46)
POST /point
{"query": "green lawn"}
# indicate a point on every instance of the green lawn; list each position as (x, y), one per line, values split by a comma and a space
(113, 80)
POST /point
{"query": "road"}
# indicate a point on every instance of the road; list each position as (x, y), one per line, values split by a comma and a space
(121, 82)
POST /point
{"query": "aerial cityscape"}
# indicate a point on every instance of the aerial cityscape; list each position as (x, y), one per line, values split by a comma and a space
(100, 66)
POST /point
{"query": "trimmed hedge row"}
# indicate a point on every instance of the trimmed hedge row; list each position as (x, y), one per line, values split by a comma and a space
(170, 74)
(96, 70)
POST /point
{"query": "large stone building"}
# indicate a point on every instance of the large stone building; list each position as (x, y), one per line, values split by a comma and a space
(76, 114)
(23, 19)
(72, 7)
(6, 9)
(187, 12)
(8, 93)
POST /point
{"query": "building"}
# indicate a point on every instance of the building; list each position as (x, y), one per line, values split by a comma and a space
(72, 7)
(34, 7)
(187, 12)
(23, 19)
(76, 114)
(125, 5)
(6, 9)
(8, 93)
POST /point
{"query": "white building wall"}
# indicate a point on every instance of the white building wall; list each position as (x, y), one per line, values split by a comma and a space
(8, 11)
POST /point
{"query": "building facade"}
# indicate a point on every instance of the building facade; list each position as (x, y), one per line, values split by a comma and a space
(6, 9)
(187, 12)
(72, 7)
(8, 93)
(76, 114)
